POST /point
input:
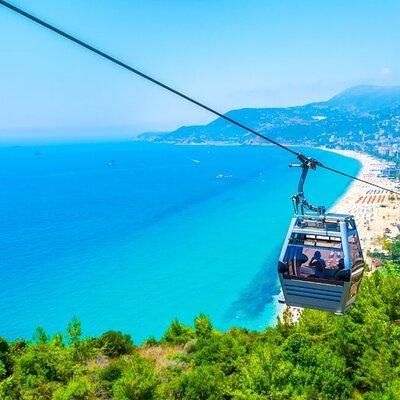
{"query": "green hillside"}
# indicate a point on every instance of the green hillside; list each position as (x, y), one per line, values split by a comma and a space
(361, 114)
(324, 356)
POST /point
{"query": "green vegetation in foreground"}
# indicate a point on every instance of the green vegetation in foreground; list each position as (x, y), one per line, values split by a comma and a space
(324, 356)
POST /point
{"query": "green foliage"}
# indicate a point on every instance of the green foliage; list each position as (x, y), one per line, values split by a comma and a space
(263, 376)
(204, 382)
(3, 370)
(115, 344)
(4, 347)
(108, 375)
(284, 325)
(18, 346)
(5, 358)
(151, 341)
(177, 333)
(227, 351)
(40, 336)
(138, 382)
(111, 372)
(74, 331)
(321, 357)
(395, 249)
(76, 389)
(202, 326)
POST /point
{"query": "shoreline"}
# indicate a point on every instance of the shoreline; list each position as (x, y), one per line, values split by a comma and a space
(361, 160)
(376, 211)
(377, 215)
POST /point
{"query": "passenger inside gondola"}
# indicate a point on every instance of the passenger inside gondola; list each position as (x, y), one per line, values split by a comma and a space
(318, 264)
(314, 260)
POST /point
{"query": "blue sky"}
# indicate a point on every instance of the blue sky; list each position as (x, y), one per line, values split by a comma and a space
(229, 54)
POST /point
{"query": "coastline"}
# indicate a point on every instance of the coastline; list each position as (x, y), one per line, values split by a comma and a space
(376, 211)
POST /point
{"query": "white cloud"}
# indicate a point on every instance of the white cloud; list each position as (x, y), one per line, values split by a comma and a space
(385, 71)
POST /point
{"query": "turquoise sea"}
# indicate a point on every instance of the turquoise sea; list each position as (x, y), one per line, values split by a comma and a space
(129, 235)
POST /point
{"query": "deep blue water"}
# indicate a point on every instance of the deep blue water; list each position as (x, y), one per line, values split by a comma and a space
(155, 234)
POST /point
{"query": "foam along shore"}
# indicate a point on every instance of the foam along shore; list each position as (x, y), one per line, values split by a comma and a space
(376, 211)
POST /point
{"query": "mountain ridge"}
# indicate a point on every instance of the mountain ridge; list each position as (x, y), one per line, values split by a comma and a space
(356, 113)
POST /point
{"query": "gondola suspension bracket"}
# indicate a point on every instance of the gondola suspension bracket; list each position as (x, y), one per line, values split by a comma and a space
(300, 202)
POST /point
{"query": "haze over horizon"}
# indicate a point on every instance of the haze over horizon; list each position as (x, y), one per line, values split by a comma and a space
(229, 56)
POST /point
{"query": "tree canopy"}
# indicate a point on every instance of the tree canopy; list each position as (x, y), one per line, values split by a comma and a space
(323, 356)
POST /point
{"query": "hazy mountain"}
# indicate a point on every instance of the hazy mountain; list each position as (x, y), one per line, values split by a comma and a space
(355, 113)
(367, 98)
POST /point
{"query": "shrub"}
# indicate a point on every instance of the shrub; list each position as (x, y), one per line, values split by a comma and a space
(138, 382)
(203, 327)
(5, 359)
(115, 343)
(40, 336)
(177, 333)
(76, 389)
(228, 350)
(204, 383)
(111, 372)
(151, 341)
(74, 331)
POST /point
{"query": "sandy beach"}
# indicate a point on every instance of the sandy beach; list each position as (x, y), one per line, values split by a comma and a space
(376, 211)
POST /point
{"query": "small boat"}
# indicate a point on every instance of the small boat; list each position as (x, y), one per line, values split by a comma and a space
(222, 176)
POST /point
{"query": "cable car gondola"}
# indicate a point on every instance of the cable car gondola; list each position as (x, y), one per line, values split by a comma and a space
(321, 263)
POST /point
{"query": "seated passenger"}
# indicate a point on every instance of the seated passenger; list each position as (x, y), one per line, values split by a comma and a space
(319, 264)
(340, 266)
(302, 268)
(302, 258)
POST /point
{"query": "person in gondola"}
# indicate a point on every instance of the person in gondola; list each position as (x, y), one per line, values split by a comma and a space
(340, 266)
(318, 264)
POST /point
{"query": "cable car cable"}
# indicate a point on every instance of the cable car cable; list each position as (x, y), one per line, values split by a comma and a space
(141, 74)
(87, 46)
(358, 179)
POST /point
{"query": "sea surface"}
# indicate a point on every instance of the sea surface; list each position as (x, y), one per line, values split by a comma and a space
(127, 236)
